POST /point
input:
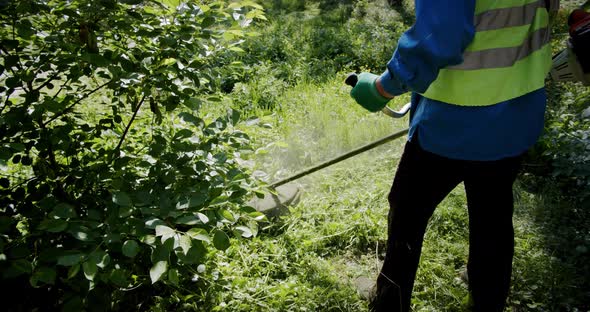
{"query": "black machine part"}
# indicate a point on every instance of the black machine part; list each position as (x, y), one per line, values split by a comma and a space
(579, 23)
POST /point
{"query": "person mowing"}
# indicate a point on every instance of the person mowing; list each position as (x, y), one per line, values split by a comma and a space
(476, 70)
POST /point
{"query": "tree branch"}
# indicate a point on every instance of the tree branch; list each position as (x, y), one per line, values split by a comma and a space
(67, 109)
(128, 126)
(7, 101)
(50, 79)
(61, 88)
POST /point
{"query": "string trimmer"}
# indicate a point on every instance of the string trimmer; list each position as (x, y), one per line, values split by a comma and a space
(571, 64)
(282, 195)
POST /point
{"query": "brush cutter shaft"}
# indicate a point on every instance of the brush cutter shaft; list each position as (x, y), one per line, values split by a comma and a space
(341, 158)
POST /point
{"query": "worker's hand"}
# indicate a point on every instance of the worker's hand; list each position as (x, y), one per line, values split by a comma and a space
(369, 93)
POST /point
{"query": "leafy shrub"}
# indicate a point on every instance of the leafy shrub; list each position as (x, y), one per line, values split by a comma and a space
(559, 158)
(565, 144)
(263, 92)
(316, 44)
(101, 198)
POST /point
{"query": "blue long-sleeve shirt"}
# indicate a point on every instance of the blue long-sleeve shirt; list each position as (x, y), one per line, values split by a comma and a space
(442, 31)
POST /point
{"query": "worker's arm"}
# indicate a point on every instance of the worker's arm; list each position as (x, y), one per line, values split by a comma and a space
(442, 31)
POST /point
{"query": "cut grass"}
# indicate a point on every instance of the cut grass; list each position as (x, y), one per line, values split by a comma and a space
(309, 259)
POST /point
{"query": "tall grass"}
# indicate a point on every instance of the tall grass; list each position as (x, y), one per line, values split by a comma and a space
(309, 259)
(316, 122)
(299, 114)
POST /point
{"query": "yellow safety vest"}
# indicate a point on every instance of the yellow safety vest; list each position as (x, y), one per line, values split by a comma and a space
(509, 56)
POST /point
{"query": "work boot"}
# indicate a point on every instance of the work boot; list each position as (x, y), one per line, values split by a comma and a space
(366, 288)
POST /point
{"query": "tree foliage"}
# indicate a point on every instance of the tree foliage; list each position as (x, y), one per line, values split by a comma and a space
(105, 195)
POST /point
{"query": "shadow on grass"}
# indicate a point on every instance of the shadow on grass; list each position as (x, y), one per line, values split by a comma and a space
(554, 267)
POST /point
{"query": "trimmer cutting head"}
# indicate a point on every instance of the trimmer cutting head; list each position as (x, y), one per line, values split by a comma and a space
(277, 203)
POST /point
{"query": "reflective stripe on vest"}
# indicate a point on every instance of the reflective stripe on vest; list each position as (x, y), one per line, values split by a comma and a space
(508, 57)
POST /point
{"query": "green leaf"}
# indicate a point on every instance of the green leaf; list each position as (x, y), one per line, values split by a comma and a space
(5, 224)
(226, 214)
(168, 62)
(70, 259)
(53, 225)
(221, 240)
(19, 147)
(64, 211)
(193, 103)
(184, 241)
(130, 248)
(25, 29)
(95, 59)
(244, 231)
(90, 268)
(119, 277)
(73, 271)
(44, 274)
(74, 304)
(237, 49)
(203, 218)
(5, 183)
(11, 60)
(182, 134)
(125, 211)
(165, 232)
(162, 252)
(200, 234)
(13, 82)
(101, 258)
(258, 216)
(22, 266)
(132, 2)
(121, 199)
(188, 220)
(153, 222)
(173, 276)
(253, 226)
(158, 270)
(186, 117)
(148, 240)
(207, 21)
(195, 255)
(81, 232)
(5, 153)
(221, 199)
(197, 200)
(233, 116)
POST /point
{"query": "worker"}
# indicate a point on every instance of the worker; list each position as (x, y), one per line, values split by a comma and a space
(476, 70)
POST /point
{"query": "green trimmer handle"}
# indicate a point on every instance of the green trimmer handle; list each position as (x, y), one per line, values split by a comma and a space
(352, 79)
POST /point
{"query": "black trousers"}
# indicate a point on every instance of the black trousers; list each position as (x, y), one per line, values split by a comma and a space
(422, 181)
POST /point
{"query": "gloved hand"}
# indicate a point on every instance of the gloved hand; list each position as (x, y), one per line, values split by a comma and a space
(366, 94)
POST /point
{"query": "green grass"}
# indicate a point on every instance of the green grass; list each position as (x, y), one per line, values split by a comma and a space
(309, 259)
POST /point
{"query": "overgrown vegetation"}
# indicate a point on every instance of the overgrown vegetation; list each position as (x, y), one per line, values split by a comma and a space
(104, 192)
(131, 133)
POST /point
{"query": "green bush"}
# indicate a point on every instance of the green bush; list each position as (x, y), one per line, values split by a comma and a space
(311, 46)
(565, 144)
(107, 199)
